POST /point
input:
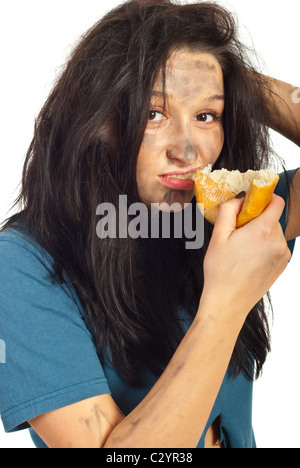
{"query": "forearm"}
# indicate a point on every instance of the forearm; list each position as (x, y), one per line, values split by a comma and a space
(176, 410)
(283, 109)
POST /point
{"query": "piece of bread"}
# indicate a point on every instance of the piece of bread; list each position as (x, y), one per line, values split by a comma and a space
(215, 187)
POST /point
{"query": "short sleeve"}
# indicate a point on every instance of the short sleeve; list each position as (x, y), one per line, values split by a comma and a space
(283, 190)
(50, 360)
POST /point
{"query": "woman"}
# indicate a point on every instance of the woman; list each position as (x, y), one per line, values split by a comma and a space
(125, 342)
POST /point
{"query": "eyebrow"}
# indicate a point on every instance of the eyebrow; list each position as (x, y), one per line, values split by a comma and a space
(215, 97)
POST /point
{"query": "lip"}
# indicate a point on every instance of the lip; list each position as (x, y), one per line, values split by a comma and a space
(177, 184)
(181, 172)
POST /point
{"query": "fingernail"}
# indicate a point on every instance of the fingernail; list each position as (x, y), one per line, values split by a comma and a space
(241, 195)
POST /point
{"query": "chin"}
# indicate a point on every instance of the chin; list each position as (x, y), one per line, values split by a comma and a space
(176, 199)
(167, 198)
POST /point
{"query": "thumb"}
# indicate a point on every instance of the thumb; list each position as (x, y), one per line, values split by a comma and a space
(227, 216)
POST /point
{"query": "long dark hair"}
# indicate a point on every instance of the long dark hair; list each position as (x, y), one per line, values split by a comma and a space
(84, 152)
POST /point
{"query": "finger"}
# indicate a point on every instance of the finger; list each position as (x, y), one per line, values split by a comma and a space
(274, 210)
(227, 216)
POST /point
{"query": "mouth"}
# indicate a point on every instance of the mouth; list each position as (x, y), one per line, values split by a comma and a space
(183, 182)
(189, 176)
(181, 175)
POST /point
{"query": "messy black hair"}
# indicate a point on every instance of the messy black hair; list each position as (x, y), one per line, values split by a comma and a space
(84, 152)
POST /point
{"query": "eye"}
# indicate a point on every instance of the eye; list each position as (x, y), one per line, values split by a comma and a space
(205, 117)
(155, 116)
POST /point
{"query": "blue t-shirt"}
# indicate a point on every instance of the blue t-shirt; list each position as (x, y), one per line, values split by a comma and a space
(48, 359)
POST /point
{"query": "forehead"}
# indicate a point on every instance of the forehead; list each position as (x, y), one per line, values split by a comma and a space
(189, 72)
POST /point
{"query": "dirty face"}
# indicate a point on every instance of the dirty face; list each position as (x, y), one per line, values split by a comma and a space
(185, 135)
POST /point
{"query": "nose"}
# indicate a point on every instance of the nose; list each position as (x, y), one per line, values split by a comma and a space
(181, 146)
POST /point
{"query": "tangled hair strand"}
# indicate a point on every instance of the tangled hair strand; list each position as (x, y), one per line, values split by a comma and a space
(84, 152)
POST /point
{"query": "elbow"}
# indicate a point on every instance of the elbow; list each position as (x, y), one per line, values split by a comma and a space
(115, 441)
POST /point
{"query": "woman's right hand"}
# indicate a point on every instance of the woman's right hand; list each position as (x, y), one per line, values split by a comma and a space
(242, 264)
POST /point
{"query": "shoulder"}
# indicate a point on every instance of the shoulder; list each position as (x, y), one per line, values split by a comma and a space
(28, 288)
(18, 246)
(28, 292)
(26, 270)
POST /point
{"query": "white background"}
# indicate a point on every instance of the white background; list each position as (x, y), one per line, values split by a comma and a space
(36, 37)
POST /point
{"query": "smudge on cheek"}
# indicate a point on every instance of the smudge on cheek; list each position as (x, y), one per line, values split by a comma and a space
(147, 153)
(210, 145)
(153, 142)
